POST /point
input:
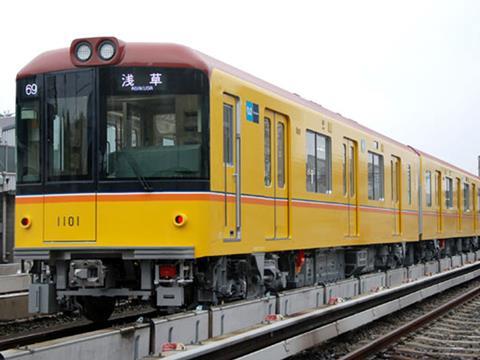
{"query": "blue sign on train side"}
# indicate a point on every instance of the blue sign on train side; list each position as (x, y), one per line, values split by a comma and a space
(252, 112)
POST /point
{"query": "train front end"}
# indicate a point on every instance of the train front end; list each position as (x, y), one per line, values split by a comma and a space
(113, 175)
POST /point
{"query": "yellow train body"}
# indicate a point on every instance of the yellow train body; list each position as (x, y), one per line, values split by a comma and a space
(308, 220)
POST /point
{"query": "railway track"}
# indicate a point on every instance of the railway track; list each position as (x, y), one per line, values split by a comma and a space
(450, 331)
(291, 336)
(446, 332)
(76, 327)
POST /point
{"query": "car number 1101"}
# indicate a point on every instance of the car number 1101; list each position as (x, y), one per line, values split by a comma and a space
(68, 221)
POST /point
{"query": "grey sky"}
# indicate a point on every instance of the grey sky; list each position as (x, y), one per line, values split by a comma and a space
(408, 69)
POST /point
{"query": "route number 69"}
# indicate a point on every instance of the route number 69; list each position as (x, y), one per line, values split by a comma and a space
(31, 89)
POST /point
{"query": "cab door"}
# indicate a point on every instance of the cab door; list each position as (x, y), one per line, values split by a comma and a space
(231, 167)
(278, 188)
(396, 194)
(350, 185)
(70, 206)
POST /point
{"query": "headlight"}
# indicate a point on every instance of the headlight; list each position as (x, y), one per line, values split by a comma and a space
(83, 51)
(106, 50)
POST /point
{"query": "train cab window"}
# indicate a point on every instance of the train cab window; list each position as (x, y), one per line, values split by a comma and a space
(448, 193)
(319, 163)
(227, 134)
(375, 176)
(466, 197)
(28, 143)
(428, 188)
(268, 151)
(70, 106)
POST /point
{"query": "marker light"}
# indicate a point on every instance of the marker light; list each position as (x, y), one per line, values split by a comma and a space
(83, 51)
(106, 50)
(168, 271)
(179, 220)
(25, 222)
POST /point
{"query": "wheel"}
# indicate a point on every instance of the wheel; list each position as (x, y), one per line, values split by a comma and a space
(97, 309)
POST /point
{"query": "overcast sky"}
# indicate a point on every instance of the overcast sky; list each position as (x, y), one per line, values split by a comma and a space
(408, 69)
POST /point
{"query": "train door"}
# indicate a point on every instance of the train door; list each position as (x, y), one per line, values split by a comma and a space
(459, 205)
(396, 194)
(350, 184)
(231, 167)
(438, 200)
(282, 208)
(280, 178)
(269, 175)
(68, 166)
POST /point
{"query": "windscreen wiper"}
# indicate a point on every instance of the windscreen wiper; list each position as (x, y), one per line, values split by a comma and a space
(133, 164)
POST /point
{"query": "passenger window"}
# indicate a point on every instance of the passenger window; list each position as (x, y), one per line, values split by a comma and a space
(375, 176)
(228, 134)
(478, 200)
(466, 197)
(319, 163)
(268, 152)
(448, 193)
(428, 188)
(281, 154)
(409, 184)
(344, 169)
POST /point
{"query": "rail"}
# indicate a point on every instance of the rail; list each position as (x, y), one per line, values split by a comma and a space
(392, 337)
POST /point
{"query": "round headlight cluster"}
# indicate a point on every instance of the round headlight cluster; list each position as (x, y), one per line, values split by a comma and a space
(106, 50)
(83, 51)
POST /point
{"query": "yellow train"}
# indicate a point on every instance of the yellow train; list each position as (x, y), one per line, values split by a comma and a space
(154, 171)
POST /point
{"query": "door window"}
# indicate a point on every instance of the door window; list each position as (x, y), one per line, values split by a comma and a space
(228, 134)
(281, 154)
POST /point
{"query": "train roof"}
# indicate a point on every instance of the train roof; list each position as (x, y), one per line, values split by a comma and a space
(174, 55)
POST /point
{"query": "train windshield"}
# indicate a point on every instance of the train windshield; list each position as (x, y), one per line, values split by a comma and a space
(154, 125)
(122, 125)
(70, 103)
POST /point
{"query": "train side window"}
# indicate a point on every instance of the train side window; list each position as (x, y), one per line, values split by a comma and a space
(428, 188)
(268, 151)
(319, 163)
(344, 169)
(474, 198)
(448, 193)
(466, 197)
(228, 134)
(409, 184)
(478, 200)
(375, 176)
